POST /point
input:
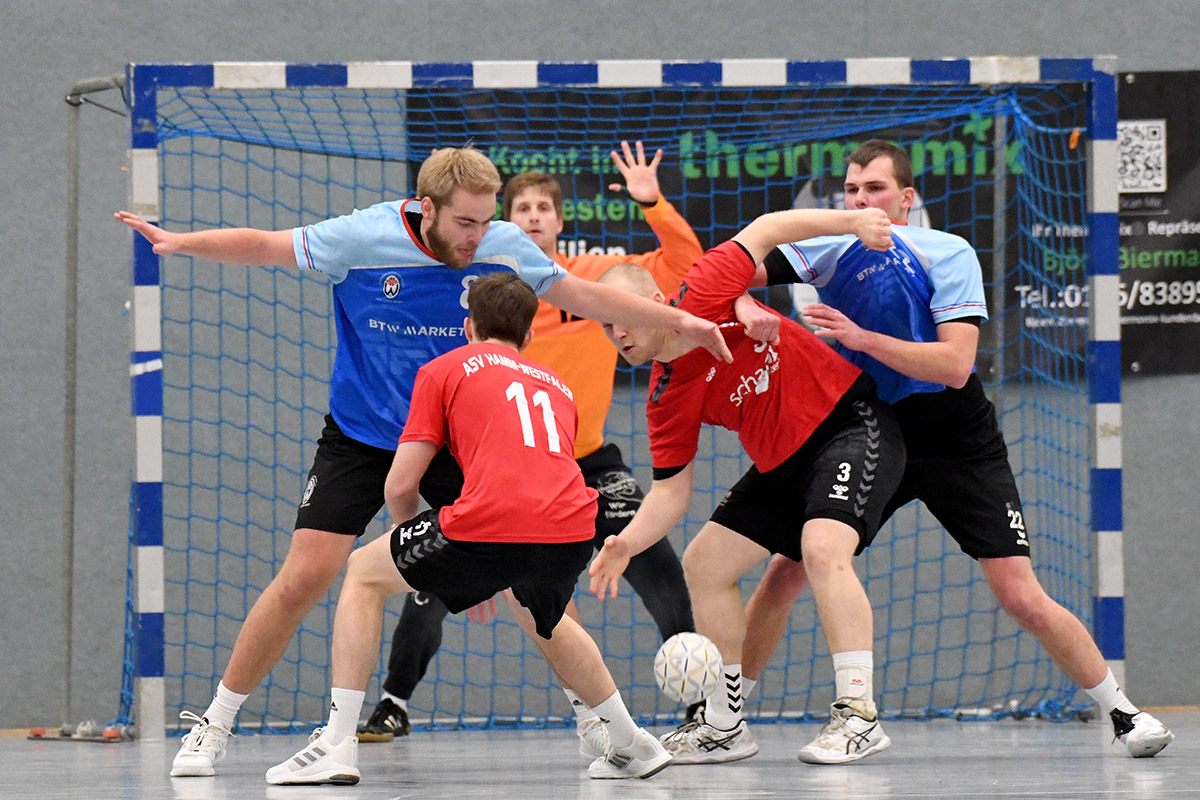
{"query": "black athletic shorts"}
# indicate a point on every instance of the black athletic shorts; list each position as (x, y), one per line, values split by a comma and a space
(846, 471)
(464, 574)
(344, 490)
(620, 496)
(958, 466)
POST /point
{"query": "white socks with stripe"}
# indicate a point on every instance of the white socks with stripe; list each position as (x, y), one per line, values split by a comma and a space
(724, 708)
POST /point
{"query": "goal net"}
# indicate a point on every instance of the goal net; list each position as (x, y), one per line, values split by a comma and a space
(246, 353)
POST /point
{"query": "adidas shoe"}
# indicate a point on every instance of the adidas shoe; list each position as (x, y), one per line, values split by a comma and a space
(698, 742)
(643, 758)
(1142, 734)
(853, 732)
(593, 738)
(387, 721)
(202, 747)
(319, 762)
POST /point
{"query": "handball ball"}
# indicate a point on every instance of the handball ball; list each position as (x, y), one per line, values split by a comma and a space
(688, 667)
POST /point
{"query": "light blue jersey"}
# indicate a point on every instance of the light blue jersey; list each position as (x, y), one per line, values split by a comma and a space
(927, 277)
(397, 307)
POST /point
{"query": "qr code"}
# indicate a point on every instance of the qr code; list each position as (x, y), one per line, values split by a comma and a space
(1142, 155)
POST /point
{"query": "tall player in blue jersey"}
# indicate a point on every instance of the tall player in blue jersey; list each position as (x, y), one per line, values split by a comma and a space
(910, 318)
(400, 272)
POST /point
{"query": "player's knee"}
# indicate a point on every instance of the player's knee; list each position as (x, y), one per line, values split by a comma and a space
(823, 560)
(1030, 610)
(363, 571)
(695, 573)
(301, 588)
(302, 581)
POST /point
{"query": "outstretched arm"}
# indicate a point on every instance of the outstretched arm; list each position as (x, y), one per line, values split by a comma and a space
(608, 304)
(947, 361)
(231, 245)
(664, 505)
(871, 225)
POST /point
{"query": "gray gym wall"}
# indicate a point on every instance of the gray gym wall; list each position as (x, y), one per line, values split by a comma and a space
(45, 47)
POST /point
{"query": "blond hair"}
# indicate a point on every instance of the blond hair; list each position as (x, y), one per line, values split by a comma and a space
(453, 168)
(630, 277)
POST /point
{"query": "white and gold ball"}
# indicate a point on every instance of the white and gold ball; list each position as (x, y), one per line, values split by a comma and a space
(688, 667)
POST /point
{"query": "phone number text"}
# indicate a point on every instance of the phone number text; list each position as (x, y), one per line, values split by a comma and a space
(1135, 294)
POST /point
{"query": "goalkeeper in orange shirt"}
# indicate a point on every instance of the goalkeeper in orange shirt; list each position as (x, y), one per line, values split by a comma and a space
(578, 350)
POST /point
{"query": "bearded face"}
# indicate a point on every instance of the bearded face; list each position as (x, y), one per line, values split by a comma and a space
(456, 228)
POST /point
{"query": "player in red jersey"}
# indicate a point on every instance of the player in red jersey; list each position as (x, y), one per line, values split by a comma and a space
(827, 453)
(501, 415)
(578, 351)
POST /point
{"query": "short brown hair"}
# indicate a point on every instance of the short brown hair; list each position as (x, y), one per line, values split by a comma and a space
(501, 306)
(453, 168)
(538, 181)
(872, 149)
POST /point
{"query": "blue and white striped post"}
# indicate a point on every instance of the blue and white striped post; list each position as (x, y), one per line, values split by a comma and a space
(146, 389)
(1104, 369)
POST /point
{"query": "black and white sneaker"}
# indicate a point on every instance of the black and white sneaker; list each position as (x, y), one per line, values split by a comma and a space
(698, 742)
(1142, 734)
(387, 721)
(852, 733)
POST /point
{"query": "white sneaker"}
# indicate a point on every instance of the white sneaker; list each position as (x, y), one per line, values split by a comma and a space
(593, 738)
(1142, 734)
(853, 732)
(697, 742)
(643, 758)
(202, 747)
(319, 762)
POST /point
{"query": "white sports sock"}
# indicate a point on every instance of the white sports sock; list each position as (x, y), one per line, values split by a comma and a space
(344, 707)
(724, 708)
(583, 711)
(852, 673)
(748, 685)
(1109, 696)
(224, 707)
(615, 716)
(400, 701)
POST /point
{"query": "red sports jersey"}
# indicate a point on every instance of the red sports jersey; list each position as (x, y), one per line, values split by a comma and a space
(773, 396)
(510, 424)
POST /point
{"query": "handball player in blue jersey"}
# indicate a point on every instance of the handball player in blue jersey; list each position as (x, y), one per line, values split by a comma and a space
(400, 272)
(909, 317)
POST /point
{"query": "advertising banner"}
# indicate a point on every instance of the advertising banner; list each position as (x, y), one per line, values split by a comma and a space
(1159, 181)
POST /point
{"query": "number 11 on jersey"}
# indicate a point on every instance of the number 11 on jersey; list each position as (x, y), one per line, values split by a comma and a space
(516, 391)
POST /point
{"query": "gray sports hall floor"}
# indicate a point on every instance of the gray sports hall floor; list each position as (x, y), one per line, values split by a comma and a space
(943, 759)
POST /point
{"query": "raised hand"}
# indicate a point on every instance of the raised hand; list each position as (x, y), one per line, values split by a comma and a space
(641, 179)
